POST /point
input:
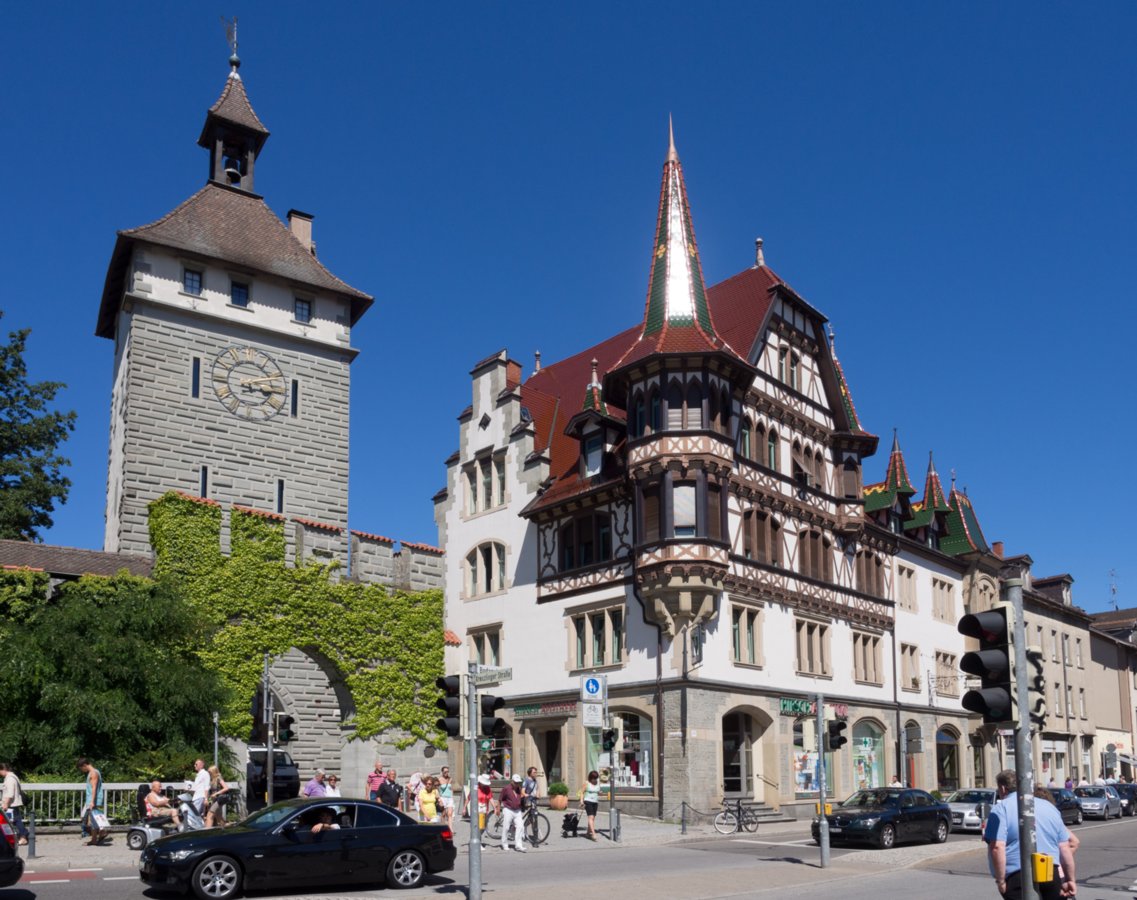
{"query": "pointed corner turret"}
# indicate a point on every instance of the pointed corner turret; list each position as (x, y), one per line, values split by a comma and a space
(896, 479)
(594, 408)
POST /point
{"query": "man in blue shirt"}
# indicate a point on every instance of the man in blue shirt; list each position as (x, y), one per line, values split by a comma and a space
(1002, 836)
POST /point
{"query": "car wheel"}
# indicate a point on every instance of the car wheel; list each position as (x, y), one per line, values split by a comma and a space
(136, 840)
(1078, 818)
(941, 832)
(887, 837)
(216, 878)
(406, 869)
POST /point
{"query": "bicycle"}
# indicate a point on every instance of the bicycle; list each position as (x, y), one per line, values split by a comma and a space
(734, 818)
(534, 822)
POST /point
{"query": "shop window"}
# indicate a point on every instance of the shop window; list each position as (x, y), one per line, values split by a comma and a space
(868, 755)
(632, 758)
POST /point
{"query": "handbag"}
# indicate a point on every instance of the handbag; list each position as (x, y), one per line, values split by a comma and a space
(101, 821)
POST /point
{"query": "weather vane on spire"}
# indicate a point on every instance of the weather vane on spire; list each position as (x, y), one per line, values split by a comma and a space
(231, 39)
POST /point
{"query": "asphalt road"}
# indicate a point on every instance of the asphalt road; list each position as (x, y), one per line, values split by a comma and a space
(742, 866)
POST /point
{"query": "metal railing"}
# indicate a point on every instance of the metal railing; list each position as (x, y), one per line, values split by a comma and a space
(59, 805)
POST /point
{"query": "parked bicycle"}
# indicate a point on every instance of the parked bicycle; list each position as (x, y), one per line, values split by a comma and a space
(535, 823)
(735, 817)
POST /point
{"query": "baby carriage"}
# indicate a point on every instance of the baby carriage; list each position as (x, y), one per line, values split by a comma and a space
(570, 825)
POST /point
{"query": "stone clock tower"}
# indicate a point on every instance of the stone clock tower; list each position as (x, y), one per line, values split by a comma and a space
(232, 349)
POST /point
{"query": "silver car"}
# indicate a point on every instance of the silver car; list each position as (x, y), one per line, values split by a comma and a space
(967, 807)
(1099, 800)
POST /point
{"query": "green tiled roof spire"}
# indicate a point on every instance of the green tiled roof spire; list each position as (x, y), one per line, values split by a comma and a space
(594, 394)
(675, 293)
(964, 533)
(896, 478)
(934, 500)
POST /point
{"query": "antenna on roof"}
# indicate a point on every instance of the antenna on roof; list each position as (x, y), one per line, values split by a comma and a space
(231, 40)
(1113, 588)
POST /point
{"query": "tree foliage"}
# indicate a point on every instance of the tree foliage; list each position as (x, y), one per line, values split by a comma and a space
(108, 669)
(31, 469)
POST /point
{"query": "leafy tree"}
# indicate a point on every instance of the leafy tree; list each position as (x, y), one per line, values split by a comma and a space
(31, 479)
(107, 669)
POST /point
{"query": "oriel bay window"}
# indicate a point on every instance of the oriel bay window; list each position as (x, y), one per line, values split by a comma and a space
(681, 509)
(586, 540)
(597, 638)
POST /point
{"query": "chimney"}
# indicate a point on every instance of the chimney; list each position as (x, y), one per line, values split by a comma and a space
(300, 224)
(997, 548)
(537, 361)
(759, 256)
(512, 373)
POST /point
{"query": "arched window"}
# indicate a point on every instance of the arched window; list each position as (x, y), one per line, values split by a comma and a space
(636, 424)
(744, 438)
(485, 569)
(654, 412)
(819, 478)
(798, 465)
(772, 450)
(674, 407)
(695, 406)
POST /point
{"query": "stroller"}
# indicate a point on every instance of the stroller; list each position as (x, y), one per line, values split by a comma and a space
(570, 824)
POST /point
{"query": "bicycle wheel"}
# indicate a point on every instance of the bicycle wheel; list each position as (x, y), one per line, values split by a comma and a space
(537, 829)
(726, 822)
(749, 821)
(493, 827)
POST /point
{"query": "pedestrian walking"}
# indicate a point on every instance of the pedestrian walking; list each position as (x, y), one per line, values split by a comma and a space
(200, 786)
(485, 801)
(428, 800)
(590, 801)
(512, 814)
(12, 801)
(215, 799)
(390, 791)
(332, 786)
(1002, 836)
(94, 803)
(315, 788)
(446, 796)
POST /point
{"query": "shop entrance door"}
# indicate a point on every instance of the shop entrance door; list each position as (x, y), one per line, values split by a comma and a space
(548, 743)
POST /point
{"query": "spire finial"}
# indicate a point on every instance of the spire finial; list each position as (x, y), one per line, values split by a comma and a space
(953, 480)
(231, 38)
(895, 440)
(672, 153)
(537, 362)
(759, 257)
(595, 363)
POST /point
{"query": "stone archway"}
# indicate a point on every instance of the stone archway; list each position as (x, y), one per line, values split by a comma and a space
(308, 686)
(749, 763)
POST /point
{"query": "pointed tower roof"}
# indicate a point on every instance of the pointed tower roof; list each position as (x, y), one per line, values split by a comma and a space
(677, 318)
(843, 387)
(934, 500)
(964, 534)
(895, 485)
(594, 394)
(594, 409)
(234, 109)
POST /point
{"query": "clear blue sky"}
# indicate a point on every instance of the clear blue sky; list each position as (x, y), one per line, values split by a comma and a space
(952, 184)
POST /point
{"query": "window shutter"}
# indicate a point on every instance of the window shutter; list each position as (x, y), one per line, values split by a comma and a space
(651, 514)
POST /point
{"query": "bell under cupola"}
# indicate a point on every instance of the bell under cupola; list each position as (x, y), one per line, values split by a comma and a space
(233, 134)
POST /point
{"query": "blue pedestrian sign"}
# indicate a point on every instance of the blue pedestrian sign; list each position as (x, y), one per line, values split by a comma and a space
(593, 688)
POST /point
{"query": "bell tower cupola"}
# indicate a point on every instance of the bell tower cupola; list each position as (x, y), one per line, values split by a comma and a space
(233, 134)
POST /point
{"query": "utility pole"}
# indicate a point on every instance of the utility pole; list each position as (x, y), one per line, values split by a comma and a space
(267, 705)
(473, 720)
(823, 824)
(1024, 761)
(216, 724)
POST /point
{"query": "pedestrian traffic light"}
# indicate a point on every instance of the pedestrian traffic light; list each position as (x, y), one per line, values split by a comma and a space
(284, 732)
(994, 699)
(450, 703)
(608, 739)
(836, 739)
(799, 734)
(489, 705)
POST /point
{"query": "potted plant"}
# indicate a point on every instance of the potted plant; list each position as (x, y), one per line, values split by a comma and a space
(558, 796)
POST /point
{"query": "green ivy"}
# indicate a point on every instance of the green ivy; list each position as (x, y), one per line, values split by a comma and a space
(387, 644)
(21, 593)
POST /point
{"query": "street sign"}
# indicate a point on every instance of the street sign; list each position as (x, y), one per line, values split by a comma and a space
(592, 715)
(593, 688)
(491, 675)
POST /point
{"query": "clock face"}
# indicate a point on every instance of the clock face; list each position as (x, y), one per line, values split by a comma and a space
(248, 383)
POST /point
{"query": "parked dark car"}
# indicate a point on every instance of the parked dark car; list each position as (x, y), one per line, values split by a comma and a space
(1128, 795)
(883, 816)
(1068, 805)
(300, 843)
(11, 863)
(285, 775)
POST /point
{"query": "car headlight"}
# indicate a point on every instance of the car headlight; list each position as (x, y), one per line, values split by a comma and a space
(870, 822)
(179, 855)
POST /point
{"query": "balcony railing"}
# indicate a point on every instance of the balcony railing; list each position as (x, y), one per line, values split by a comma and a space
(61, 804)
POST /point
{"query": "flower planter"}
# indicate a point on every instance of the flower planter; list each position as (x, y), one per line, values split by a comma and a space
(558, 802)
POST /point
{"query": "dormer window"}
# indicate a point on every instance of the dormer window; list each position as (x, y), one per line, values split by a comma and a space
(593, 454)
(895, 524)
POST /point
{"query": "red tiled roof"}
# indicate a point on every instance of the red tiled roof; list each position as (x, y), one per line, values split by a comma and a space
(234, 227)
(69, 561)
(450, 638)
(204, 501)
(373, 537)
(260, 513)
(740, 306)
(319, 526)
(425, 548)
(233, 106)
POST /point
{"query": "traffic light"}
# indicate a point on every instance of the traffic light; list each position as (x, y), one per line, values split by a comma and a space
(608, 738)
(284, 732)
(799, 734)
(489, 705)
(451, 704)
(836, 739)
(992, 663)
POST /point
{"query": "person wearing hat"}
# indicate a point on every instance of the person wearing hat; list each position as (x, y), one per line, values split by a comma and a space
(511, 814)
(485, 801)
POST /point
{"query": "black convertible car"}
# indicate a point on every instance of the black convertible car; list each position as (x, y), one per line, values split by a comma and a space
(299, 843)
(883, 816)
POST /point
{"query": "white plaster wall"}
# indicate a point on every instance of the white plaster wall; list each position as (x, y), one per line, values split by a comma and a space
(271, 301)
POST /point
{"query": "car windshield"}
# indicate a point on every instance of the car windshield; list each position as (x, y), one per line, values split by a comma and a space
(1090, 792)
(268, 818)
(279, 758)
(970, 797)
(871, 799)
